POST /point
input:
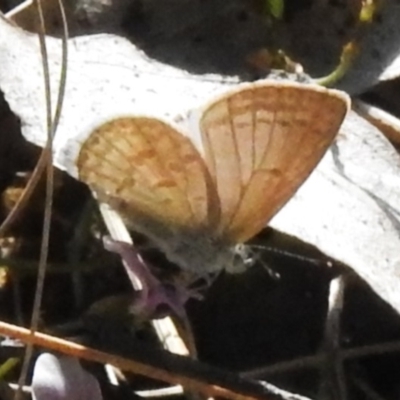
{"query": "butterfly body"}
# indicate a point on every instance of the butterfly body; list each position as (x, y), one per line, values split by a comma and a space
(198, 251)
(258, 143)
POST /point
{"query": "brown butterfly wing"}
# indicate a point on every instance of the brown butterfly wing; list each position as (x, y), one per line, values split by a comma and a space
(261, 142)
(150, 170)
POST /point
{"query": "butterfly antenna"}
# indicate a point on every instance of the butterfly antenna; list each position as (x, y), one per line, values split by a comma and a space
(285, 253)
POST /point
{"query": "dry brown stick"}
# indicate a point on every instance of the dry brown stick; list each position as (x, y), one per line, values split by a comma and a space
(52, 123)
(158, 364)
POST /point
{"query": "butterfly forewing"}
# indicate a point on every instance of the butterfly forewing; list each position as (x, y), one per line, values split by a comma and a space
(150, 169)
(187, 167)
(261, 142)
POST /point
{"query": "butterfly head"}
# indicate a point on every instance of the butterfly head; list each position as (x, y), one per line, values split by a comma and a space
(242, 260)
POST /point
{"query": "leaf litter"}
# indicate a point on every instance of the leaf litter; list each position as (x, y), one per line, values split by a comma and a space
(348, 209)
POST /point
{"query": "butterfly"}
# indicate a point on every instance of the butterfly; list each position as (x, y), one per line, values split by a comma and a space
(198, 201)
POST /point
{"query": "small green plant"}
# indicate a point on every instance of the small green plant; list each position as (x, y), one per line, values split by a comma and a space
(274, 8)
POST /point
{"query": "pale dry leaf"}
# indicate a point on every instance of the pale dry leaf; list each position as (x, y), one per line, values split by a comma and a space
(383, 120)
(312, 33)
(350, 208)
(342, 208)
(62, 378)
(392, 71)
(106, 76)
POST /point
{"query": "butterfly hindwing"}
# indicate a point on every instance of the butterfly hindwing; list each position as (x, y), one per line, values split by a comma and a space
(261, 142)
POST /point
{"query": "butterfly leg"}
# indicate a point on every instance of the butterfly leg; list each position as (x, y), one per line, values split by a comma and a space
(155, 299)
